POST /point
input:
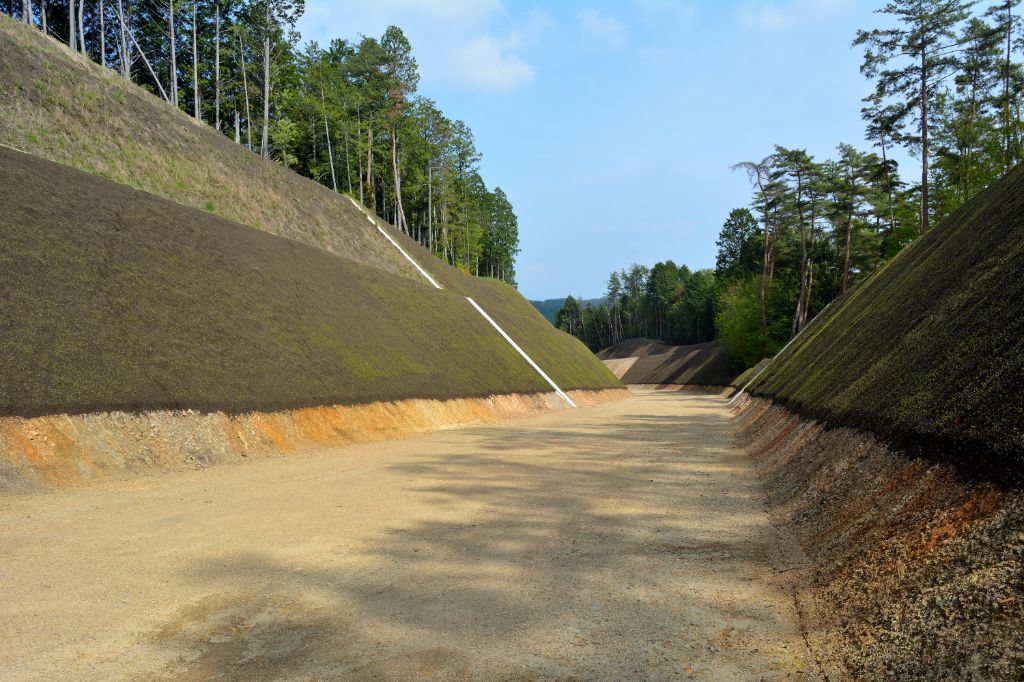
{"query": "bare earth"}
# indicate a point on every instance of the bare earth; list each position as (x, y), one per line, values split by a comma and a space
(616, 542)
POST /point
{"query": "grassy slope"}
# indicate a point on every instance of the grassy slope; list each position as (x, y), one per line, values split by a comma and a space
(60, 106)
(930, 350)
(117, 299)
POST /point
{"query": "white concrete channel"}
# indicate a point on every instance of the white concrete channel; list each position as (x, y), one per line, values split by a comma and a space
(561, 394)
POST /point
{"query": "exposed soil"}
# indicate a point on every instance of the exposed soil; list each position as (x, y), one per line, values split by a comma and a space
(622, 541)
(66, 449)
(915, 573)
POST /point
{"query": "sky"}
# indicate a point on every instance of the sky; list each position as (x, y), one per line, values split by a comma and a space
(612, 126)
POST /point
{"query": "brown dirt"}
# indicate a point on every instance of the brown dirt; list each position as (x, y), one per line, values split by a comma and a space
(76, 449)
(915, 572)
(622, 541)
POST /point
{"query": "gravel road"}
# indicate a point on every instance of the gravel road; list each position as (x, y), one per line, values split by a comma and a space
(625, 541)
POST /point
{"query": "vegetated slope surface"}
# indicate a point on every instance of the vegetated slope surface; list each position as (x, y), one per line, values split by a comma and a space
(116, 299)
(930, 350)
(646, 361)
(61, 106)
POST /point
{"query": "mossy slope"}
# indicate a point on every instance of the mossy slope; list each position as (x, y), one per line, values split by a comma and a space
(930, 350)
(60, 106)
(116, 299)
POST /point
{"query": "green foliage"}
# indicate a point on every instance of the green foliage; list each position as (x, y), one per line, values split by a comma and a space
(739, 323)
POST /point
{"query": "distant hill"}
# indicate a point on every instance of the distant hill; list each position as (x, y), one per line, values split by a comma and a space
(549, 308)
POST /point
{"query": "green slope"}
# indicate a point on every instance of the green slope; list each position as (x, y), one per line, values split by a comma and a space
(116, 299)
(930, 350)
(60, 106)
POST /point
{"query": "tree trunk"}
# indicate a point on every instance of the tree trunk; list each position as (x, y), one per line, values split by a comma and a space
(71, 24)
(245, 89)
(888, 188)
(399, 210)
(174, 55)
(330, 151)
(26, 11)
(348, 163)
(430, 208)
(81, 26)
(42, 17)
(846, 261)
(122, 47)
(238, 129)
(152, 73)
(369, 184)
(795, 327)
(1006, 83)
(764, 270)
(103, 38)
(196, 99)
(265, 140)
(924, 138)
(216, 71)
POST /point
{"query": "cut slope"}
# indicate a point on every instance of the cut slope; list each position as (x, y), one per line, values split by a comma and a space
(116, 299)
(929, 351)
(60, 106)
(646, 361)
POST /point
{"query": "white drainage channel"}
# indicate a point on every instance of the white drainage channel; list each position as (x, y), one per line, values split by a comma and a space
(561, 394)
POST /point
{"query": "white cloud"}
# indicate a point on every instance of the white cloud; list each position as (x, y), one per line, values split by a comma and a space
(486, 63)
(493, 62)
(474, 44)
(780, 16)
(603, 27)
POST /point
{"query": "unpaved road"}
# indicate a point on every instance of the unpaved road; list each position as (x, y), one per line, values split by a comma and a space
(625, 541)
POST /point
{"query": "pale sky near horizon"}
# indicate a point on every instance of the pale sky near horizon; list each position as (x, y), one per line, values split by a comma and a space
(612, 125)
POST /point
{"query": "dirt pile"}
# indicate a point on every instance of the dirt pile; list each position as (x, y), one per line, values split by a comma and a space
(915, 571)
(647, 362)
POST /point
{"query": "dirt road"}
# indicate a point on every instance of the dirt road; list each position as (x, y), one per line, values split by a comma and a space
(625, 541)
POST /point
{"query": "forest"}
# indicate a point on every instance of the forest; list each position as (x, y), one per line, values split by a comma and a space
(947, 85)
(346, 115)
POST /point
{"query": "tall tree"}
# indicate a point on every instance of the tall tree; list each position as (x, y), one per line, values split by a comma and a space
(908, 61)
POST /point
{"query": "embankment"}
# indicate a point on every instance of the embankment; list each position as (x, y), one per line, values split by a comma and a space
(66, 449)
(645, 362)
(916, 572)
(59, 105)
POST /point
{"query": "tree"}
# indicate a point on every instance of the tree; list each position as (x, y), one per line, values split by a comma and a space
(737, 257)
(908, 62)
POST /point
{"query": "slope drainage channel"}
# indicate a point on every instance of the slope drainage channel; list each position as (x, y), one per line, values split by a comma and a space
(561, 394)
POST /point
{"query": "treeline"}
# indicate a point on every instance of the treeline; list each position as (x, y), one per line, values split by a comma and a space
(345, 115)
(949, 86)
(667, 302)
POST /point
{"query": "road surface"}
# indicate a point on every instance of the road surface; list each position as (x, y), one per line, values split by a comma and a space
(626, 541)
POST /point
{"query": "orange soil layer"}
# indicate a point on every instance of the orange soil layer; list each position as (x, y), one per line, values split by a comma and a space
(915, 572)
(72, 450)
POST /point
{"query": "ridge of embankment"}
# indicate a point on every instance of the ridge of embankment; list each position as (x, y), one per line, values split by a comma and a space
(889, 438)
(117, 301)
(59, 105)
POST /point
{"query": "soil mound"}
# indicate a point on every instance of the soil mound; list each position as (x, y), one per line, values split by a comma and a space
(646, 361)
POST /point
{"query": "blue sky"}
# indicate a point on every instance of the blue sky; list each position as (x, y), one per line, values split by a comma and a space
(612, 125)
